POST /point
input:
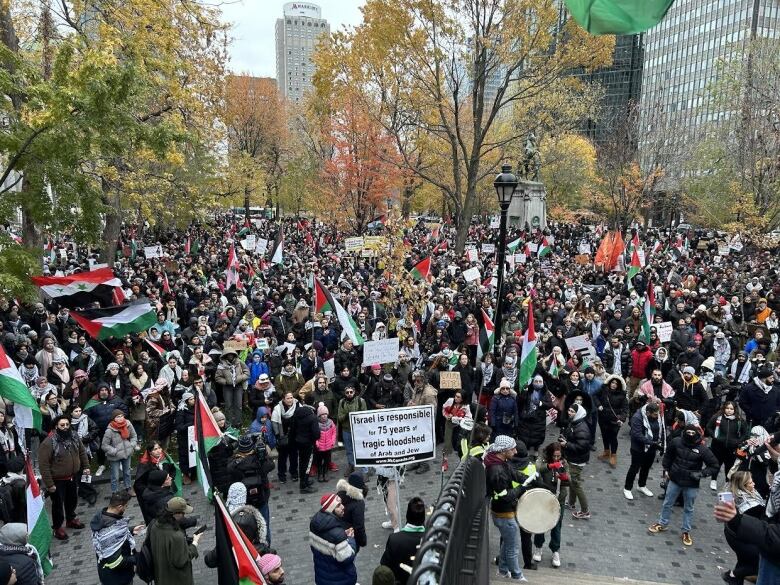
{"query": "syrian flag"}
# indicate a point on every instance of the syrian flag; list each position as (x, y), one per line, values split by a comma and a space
(117, 321)
(422, 270)
(487, 336)
(513, 246)
(231, 272)
(633, 270)
(238, 556)
(544, 248)
(207, 435)
(80, 288)
(648, 312)
(27, 413)
(324, 301)
(529, 355)
(277, 254)
(38, 529)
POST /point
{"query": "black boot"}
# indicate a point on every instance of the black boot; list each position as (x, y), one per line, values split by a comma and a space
(321, 475)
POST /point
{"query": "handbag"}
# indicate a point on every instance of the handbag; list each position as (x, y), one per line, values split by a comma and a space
(167, 425)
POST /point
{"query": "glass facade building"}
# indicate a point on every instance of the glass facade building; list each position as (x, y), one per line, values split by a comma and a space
(297, 35)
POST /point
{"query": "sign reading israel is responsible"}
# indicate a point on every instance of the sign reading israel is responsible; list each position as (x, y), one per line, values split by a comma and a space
(393, 436)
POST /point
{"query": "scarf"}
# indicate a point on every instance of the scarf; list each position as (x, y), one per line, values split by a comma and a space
(760, 383)
(747, 500)
(81, 424)
(30, 375)
(13, 537)
(123, 428)
(510, 374)
(324, 426)
(280, 412)
(109, 539)
(139, 383)
(58, 444)
(773, 505)
(7, 441)
(62, 374)
(487, 373)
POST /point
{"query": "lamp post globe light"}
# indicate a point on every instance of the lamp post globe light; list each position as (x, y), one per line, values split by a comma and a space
(505, 185)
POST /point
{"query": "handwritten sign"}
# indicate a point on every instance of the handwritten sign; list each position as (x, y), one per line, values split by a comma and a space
(249, 242)
(153, 251)
(582, 259)
(488, 248)
(393, 436)
(449, 380)
(261, 247)
(664, 331)
(582, 346)
(384, 351)
(353, 244)
(495, 222)
(471, 274)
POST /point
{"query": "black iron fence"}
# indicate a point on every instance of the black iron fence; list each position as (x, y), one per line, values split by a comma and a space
(454, 548)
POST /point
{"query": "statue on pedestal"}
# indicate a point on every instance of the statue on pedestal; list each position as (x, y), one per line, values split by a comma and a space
(531, 159)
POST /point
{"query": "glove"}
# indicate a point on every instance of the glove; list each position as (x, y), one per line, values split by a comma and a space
(563, 476)
(554, 465)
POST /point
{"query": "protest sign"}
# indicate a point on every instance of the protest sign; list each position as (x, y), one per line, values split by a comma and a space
(153, 251)
(191, 448)
(488, 248)
(449, 380)
(495, 222)
(520, 258)
(353, 244)
(584, 248)
(664, 331)
(384, 351)
(330, 369)
(736, 246)
(581, 345)
(533, 247)
(261, 246)
(582, 259)
(236, 345)
(471, 274)
(393, 436)
(249, 242)
(367, 253)
(723, 249)
(375, 242)
(472, 255)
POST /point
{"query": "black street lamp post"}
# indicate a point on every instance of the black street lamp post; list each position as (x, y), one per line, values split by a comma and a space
(505, 185)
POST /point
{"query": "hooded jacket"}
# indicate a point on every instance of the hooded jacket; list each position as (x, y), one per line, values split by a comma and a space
(333, 551)
(612, 404)
(354, 510)
(532, 415)
(255, 369)
(684, 461)
(642, 433)
(577, 435)
(504, 485)
(306, 427)
(689, 395)
(759, 401)
(265, 429)
(15, 550)
(231, 375)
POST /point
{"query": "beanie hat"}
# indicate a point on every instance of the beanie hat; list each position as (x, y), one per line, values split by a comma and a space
(502, 443)
(219, 416)
(116, 412)
(383, 576)
(269, 563)
(688, 370)
(322, 409)
(356, 480)
(329, 502)
(245, 444)
(157, 477)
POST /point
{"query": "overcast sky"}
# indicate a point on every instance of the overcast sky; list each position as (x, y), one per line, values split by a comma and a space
(254, 48)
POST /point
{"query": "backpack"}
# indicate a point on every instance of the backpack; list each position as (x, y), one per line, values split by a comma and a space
(6, 503)
(144, 563)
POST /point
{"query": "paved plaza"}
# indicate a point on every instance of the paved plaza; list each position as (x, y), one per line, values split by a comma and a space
(614, 542)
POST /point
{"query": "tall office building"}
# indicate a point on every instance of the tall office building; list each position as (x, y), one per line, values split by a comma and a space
(680, 61)
(297, 35)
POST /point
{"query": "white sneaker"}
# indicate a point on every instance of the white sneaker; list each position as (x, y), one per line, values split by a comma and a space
(556, 559)
(628, 495)
(644, 490)
(714, 485)
(387, 524)
(99, 471)
(537, 555)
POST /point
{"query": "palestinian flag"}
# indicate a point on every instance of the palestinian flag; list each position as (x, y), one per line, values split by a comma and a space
(231, 272)
(440, 247)
(38, 528)
(277, 252)
(166, 286)
(379, 219)
(177, 479)
(12, 388)
(158, 349)
(618, 17)
(80, 288)
(196, 246)
(514, 245)
(487, 336)
(544, 248)
(133, 249)
(324, 301)
(648, 312)
(529, 355)
(422, 270)
(188, 245)
(633, 270)
(117, 321)
(657, 247)
(207, 435)
(238, 557)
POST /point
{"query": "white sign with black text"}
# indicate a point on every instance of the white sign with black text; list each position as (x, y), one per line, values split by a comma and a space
(384, 351)
(393, 436)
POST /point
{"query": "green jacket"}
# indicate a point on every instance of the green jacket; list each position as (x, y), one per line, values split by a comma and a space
(172, 554)
(345, 407)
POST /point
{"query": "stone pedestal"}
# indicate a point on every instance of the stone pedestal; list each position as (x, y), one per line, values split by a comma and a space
(529, 205)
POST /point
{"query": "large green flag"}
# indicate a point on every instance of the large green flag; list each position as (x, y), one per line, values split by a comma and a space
(618, 17)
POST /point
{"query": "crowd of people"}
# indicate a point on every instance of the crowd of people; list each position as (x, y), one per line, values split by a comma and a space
(281, 380)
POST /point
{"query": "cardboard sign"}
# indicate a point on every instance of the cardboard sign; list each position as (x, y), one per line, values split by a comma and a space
(249, 242)
(367, 253)
(374, 242)
(236, 345)
(153, 251)
(393, 436)
(488, 248)
(353, 244)
(262, 343)
(384, 351)
(582, 259)
(261, 247)
(471, 274)
(664, 331)
(449, 380)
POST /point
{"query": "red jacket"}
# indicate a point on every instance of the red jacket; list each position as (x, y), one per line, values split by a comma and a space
(640, 361)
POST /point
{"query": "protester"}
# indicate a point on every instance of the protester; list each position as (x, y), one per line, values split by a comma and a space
(332, 544)
(172, 550)
(119, 444)
(401, 546)
(555, 477)
(20, 555)
(114, 541)
(575, 441)
(648, 437)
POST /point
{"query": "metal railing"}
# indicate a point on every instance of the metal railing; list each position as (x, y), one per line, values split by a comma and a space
(454, 548)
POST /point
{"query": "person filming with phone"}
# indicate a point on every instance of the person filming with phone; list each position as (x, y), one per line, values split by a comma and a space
(171, 550)
(114, 541)
(749, 530)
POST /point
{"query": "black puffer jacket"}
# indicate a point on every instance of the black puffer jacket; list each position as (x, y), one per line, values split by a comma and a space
(612, 404)
(252, 470)
(154, 500)
(354, 510)
(577, 435)
(684, 462)
(532, 416)
(306, 427)
(218, 464)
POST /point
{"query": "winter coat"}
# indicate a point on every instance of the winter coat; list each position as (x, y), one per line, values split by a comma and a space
(329, 399)
(612, 405)
(504, 484)
(425, 395)
(640, 363)
(267, 429)
(503, 413)
(684, 463)
(256, 369)
(758, 405)
(577, 435)
(758, 532)
(625, 360)
(347, 359)
(689, 396)
(327, 440)
(172, 554)
(354, 510)
(333, 551)
(641, 432)
(69, 460)
(26, 566)
(285, 384)
(218, 457)
(306, 427)
(252, 470)
(532, 417)
(727, 433)
(387, 394)
(154, 500)
(101, 412)
(345, 407)
(156, 406)
(399, 549)
(115, 447)
(233, 375)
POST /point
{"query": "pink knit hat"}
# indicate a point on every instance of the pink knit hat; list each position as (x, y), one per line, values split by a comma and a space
(322, 409)
(269, 562)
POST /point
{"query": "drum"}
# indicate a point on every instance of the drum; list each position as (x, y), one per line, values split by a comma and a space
(537, 511)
